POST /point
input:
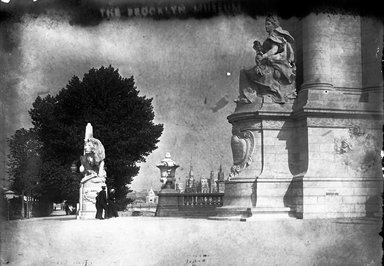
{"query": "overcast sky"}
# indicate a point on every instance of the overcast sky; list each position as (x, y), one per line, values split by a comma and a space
(189, 67)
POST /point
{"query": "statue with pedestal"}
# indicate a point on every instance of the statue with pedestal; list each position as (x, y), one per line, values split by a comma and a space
(92, 165)
(266, 94)
(168, 195)
(310, 156)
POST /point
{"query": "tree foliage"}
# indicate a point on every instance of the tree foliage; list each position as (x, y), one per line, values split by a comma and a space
(24, 160)
(121, 119)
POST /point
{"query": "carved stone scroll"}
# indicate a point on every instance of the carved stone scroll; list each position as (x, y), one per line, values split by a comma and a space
(242, 144)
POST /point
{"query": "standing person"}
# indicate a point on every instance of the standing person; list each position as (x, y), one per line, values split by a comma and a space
(112, 207)
(99, 209)
(66, 207)
(103, 201)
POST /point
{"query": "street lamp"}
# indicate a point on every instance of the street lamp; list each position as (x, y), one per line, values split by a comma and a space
(73, 167)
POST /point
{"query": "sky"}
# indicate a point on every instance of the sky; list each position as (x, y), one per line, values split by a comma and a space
(189, 67)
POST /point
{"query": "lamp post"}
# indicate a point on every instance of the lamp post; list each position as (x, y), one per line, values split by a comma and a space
(73, 167)
(167, 172)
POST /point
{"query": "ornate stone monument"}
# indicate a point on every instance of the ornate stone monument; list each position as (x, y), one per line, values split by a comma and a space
(316, 154)
(168, 195)
(167, 171)
(92, 165)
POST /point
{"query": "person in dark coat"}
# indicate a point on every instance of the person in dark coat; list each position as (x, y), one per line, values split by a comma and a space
(112, 207)
(103, 201)
(99, 209)
(66, 207)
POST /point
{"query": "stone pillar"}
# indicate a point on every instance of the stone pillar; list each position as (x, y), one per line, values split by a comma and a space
(316, 50)
(341, 116)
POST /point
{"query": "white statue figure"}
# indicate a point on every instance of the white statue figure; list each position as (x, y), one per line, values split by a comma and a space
(92, 162)
(92, 165)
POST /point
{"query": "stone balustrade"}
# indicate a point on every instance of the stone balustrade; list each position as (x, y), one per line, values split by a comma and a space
(197, 200)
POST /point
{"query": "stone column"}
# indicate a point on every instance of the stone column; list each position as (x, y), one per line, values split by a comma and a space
(316, 50)
(338, 112)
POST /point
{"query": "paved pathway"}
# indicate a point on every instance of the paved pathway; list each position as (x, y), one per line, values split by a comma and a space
(177, 241)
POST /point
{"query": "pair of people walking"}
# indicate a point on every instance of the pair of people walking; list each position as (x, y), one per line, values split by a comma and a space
(106, 204)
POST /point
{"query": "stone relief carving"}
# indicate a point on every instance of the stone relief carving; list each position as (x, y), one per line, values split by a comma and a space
(242, 144)
(91, 198)
(273, 124)
(360, 150)
(342, 122)
(274, 73)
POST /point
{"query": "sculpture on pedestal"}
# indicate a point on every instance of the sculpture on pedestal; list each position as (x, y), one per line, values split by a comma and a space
(167, 170)
(92, 165)
(275, 71)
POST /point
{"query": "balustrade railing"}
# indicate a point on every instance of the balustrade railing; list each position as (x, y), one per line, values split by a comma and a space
(202, 199)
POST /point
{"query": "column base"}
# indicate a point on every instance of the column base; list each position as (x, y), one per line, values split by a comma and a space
(237, 213)
(86, 215)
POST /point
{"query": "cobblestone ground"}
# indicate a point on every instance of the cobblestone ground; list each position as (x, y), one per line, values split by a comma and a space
(62, 240)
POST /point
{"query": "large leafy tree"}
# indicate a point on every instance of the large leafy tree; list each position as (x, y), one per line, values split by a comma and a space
(24, 160)
(24, 163)
(121, 119)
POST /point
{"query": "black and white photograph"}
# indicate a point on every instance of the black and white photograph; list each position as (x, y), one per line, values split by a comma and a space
(191, 132)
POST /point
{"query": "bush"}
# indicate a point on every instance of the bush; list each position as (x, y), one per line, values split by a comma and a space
(3, 206)
(42, 208)
(123, 203)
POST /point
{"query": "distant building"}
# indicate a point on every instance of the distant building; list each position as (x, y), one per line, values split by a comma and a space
(204, 185)
(220, 181)
(190, 184)
(213, 185)
(152, 198)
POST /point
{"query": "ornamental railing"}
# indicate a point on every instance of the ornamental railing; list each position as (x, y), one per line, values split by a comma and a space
(196, 200)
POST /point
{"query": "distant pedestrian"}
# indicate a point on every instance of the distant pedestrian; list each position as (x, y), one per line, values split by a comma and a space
(103, 201)
(99, 208)
(112, 206)
(66, 207)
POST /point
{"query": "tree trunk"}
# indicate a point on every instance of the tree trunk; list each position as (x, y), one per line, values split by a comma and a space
(22, 204)
(28, 199)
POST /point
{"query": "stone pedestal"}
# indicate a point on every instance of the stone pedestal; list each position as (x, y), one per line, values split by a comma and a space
(344, 139)
(262, 187)
(317, 156)
(88, 193)
(168, 205)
